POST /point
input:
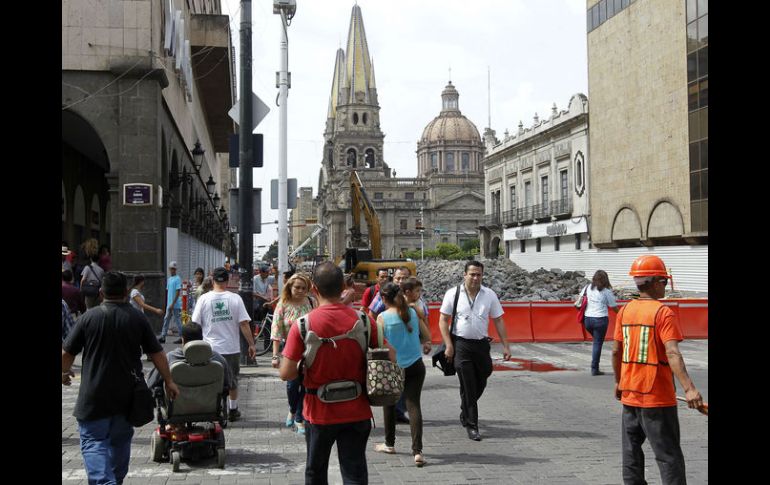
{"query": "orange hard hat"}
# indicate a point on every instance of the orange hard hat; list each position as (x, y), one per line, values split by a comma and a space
(649, 265)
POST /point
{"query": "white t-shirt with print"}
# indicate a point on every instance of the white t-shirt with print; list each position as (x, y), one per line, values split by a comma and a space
(220, 314)
(472, 321)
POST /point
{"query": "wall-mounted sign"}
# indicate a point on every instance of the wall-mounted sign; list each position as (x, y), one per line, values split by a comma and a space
(546, 229)
(137, 194)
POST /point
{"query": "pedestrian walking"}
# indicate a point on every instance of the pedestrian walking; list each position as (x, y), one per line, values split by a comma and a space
(294, 302)
(112, 338)
(196, 289)
(347, 422)
(136, 297)
(468, 346)
(92, 273)
(173, 304)
(645, 359)
(376, 307)
(596, 321)
(71, 294)
(67, 322)
(401, 327)
(221, 315)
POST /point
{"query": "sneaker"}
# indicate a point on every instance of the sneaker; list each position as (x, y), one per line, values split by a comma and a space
(162, 340)
(383, 448)
(289, 420)
(301, 428)
(234, 415)
(178, 341)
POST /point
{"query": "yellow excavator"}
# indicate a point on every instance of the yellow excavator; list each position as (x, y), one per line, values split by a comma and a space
(361, 261)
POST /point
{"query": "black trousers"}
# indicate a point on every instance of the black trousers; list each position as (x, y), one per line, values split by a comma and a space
(351, 441)
(414, 377)
(473, 365)
(661, 427)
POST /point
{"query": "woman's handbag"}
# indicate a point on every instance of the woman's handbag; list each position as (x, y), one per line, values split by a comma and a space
(581, 303)
(142, 403)
(384, 379)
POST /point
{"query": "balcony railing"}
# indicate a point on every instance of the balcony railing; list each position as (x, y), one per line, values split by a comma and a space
(492, 219)
(399, 204)
(529, 213)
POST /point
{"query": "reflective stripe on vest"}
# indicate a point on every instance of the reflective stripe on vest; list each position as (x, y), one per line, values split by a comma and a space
(639, 365)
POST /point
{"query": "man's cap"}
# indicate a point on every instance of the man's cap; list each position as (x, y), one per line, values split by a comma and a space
(172, 264)
(221, 275)
(264, 267)
(65, 250)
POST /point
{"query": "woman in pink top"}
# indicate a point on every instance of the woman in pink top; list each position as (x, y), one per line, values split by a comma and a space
(294, 302)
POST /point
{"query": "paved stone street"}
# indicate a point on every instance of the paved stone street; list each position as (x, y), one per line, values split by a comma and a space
(557, 427)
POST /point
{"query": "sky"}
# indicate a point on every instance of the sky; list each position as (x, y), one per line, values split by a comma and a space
(535, 51)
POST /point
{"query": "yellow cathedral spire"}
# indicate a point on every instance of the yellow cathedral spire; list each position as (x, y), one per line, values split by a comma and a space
(359, 73)
(339, 76)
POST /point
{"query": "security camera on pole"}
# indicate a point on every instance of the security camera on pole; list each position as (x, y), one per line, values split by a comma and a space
(286, 9)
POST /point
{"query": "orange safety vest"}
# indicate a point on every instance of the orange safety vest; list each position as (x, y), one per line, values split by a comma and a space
(639, 364)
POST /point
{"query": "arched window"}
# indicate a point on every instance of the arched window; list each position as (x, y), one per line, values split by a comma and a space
(352, 157)
(355, 118)
(370, 157)
(434, 160)
(579, 173)
(364, 118)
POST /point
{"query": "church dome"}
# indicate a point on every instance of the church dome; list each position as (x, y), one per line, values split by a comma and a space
(450, 124)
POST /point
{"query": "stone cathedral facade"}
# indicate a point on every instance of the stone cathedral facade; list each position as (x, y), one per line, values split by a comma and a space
(445, 199)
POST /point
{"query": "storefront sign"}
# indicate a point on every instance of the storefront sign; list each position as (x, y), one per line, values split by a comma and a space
(546, 229)
(137, 194)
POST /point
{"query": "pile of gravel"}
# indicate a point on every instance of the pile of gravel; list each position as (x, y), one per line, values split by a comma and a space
(512, 283)
(504, 277)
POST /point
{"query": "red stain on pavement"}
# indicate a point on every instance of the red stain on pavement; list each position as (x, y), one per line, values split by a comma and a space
(525, 364)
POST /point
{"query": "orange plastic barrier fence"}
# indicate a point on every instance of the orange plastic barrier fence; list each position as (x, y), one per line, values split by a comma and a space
(546, 321)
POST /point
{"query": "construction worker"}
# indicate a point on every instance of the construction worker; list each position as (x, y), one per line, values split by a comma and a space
(645, 355)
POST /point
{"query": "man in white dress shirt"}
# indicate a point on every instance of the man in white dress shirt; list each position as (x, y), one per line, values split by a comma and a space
(468, 346)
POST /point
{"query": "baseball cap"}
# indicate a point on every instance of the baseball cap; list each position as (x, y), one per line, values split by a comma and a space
(221, 275)
(65, 250)
(172, 264)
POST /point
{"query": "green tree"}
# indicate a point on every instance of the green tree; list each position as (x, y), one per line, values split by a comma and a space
(471, 244)
(445, 250)
(272, 252)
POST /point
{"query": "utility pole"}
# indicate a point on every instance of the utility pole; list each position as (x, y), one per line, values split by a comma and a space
(245, 168)
(286, 9)
(422, 236)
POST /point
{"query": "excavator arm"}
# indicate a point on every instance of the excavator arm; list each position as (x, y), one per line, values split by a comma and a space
(360, 202)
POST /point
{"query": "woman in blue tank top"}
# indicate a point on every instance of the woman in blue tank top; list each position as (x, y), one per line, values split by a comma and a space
(401, 328)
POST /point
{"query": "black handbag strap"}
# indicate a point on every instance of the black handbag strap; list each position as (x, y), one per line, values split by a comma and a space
(454, 312)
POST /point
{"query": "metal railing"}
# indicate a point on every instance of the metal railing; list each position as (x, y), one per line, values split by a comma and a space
(529, 213)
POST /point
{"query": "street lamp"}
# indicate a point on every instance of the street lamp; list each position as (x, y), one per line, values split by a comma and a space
(210, 185)
(216, 200)
(286, 9)
(197, 154)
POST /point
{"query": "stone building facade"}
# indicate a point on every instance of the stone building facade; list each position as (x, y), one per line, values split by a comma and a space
(444, 203)
(146, 85)
(648, 85)
(302, 220)
(537, 190)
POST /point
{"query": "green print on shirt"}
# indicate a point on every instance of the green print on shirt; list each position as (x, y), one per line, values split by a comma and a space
(221, 311)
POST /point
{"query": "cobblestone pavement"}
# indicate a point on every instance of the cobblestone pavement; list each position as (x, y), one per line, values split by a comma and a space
(558, 427)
